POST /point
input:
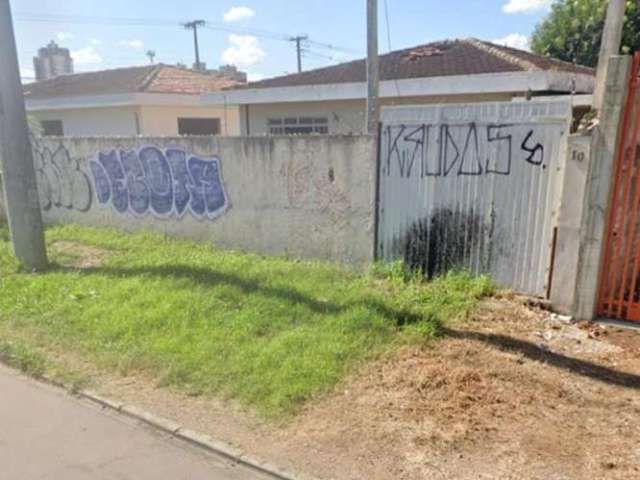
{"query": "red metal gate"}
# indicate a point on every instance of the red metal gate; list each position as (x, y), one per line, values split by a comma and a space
(619, 294)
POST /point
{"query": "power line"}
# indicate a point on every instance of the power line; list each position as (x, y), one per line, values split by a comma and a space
(386, 16)
(120, 21)
(300, 41)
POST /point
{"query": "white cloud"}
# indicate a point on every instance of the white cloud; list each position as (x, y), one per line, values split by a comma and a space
(133, 43)
(62, 36)
(86, 56)
(235, 14)
(526, 6)
(95, 42)
(514, 40)
(254, 77)
(244, 51)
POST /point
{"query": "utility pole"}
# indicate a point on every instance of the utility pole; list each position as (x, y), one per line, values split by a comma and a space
(194, 26)
(151, 54)
(298, 40)
(609, 45)
(18, 174)
(373, 69)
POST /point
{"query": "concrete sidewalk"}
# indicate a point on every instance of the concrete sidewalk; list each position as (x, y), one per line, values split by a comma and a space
(47, 434)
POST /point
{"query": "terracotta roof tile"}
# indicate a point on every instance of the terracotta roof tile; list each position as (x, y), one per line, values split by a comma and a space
(150, 79)
(445, 58)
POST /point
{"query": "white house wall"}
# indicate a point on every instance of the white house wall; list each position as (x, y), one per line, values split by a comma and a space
(163, 120)
(92, 121)
(346, 117)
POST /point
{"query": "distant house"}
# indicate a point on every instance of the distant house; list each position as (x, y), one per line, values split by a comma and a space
(147, 100)
(332, 99)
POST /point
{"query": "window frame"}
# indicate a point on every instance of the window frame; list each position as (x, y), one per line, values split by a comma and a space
(202, 131)
(300, 125)
(46, 127)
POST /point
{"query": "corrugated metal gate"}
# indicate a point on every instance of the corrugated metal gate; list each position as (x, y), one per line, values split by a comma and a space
(619, 293)
(473, 186)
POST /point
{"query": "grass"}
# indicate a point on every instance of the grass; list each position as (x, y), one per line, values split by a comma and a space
(267, 331)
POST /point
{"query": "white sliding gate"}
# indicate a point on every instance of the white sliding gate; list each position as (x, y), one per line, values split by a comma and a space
(473, 186)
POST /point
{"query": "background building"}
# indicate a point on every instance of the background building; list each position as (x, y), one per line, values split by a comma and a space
(52, 61)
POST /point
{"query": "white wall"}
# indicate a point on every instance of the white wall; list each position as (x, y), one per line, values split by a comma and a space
(163, 120)
(304, 196)
(93, 121)
(346, 117)
(151, 120)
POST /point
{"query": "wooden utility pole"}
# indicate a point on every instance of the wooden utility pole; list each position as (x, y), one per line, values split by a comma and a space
(373, 69)
(610, 45)
(194, 26)
(18, 173)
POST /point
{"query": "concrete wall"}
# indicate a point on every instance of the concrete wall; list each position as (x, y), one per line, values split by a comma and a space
(346, 117)
(305, 196)
(567, 236)
(599, 185)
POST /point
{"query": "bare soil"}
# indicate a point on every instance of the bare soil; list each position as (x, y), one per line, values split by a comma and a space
(511, 393)
(79, 255)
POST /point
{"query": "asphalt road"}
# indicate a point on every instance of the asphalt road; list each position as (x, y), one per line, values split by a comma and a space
(46, 434)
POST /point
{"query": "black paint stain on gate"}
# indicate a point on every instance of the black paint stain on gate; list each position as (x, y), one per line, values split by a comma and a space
(446, 241)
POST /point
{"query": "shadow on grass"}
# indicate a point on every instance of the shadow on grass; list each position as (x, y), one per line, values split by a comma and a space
(534, 352)
(211, 278)
(400, 317)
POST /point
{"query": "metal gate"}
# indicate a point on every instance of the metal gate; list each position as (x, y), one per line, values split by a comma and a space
(619, 292)
(473, 186)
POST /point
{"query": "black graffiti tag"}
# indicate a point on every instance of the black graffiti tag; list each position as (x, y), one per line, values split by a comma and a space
(536, 149)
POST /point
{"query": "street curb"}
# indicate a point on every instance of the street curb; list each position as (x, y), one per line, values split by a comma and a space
(193, 437)
(198, 439)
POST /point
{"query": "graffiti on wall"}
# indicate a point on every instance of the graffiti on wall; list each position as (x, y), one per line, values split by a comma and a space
(61, 182)
(459, 150)
(162, 182)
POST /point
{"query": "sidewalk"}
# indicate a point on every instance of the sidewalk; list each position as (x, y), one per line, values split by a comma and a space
(47, 434)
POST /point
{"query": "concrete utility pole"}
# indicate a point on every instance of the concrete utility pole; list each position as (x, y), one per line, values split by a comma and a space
(194, 26)
(298, 41)
(610, 45)
(373, 69)
(18, 174)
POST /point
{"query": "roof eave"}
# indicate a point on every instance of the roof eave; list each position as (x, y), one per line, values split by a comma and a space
(112, 100)
(509, 82)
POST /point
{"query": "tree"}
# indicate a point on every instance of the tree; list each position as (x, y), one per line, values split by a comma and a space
(573, 29)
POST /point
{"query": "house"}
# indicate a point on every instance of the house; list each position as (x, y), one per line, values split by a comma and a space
(144, 100)
(332, 99)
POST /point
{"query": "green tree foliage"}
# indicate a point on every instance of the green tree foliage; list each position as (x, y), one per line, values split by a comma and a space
(573, 29)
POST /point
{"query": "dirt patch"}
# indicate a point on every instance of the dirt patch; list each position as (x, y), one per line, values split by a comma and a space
(511, 393)
(78, 255)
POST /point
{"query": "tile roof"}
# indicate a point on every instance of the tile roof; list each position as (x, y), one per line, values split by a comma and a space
(146, 79)
(444, 58)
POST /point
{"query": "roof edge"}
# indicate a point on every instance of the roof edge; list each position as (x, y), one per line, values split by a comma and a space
(498, 52)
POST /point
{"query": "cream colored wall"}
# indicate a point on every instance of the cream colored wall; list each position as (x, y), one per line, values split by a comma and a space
(163, 120)
(345, 116)
(82, 122)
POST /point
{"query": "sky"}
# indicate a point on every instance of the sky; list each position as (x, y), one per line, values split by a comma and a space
(253, 34)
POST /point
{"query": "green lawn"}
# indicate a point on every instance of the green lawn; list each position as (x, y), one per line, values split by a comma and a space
(268, 331)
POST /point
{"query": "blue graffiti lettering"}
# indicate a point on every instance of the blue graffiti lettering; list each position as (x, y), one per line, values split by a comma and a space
(161, 182)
